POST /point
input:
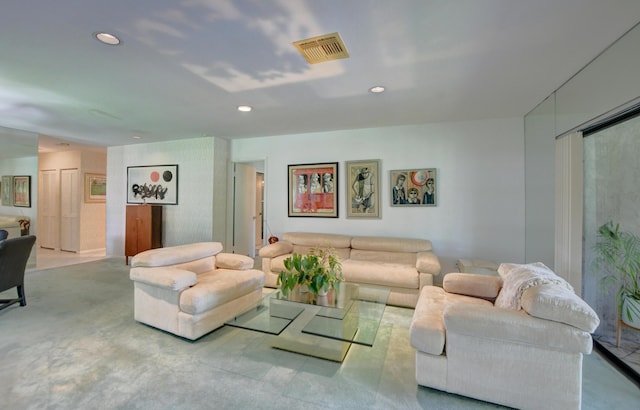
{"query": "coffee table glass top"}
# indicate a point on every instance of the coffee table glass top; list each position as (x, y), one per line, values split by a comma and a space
(350, 313)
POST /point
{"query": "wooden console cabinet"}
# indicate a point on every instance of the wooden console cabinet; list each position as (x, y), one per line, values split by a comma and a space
(143, 230)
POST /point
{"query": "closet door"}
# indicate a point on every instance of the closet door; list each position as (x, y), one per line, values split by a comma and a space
(69, 210)
(48, 227)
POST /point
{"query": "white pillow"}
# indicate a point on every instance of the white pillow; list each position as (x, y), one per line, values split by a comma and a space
(556, 303)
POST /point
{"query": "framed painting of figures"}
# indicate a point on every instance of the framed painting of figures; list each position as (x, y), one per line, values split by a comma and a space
(413, 187)
(313, 190)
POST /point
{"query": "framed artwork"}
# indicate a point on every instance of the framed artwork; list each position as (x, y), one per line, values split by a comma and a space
(152, 184)
(313, 190)
(414, 187)
(7, 190)
(22, 191)
(95, 188)
(363, 189)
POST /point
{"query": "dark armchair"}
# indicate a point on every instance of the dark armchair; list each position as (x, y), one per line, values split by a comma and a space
(14, 253)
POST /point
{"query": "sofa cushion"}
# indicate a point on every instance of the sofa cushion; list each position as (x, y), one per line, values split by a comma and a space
(561, 305)
(517, 278)
(276, 249)
(382, 274)
(233, 261)
(218, 287)
(323, 240)
(472, 284)
(403, 258)
(378, 243)
(176, 254)
(341, 253)
(427, 331)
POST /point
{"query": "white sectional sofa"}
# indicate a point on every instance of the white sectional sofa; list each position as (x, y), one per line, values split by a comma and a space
(524, 350)
(403, 265)
(10, 224)
(190, 290)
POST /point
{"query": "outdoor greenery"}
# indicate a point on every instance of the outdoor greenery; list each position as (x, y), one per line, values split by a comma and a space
(618, 255)
(319, 271)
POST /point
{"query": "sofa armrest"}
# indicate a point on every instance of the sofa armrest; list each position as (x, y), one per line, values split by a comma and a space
(164, 277)
(470, 284)
(427, 262)
(276, 249)
(233, 261)
(514, 326)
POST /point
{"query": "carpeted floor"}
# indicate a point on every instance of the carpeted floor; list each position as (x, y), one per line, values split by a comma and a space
(76, 346)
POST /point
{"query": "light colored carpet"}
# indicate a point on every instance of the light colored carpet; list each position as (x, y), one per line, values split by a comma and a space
(76, 346)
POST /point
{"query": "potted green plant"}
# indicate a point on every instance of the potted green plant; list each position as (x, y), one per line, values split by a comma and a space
(618, 253)
(318, 271)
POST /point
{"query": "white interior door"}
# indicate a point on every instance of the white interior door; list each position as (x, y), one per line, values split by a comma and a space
(48, 227)
(69, 210)
(244, 210)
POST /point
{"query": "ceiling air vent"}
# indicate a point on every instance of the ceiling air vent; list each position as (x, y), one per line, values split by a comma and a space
(322, 48)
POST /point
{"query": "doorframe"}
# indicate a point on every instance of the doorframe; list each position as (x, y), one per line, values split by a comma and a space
(261, 165)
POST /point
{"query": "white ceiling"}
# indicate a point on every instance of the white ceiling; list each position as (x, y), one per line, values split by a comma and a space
(184, 66)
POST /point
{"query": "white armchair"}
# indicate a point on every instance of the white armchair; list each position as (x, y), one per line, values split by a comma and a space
(527, 356)
(190, 290)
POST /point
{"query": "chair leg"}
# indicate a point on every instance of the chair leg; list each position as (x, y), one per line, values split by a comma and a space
(23, 298)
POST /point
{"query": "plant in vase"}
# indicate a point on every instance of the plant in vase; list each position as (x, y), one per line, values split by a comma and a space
(318, 271)
(618, 253)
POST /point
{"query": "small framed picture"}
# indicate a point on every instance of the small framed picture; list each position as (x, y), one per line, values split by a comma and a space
(363, 189)
(7, 190)
(152, 184)
(22, 191)
(95, 188)
(413, 187)
(313, 190)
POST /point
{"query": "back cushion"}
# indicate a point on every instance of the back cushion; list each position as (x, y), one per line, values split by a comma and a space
(198, 266)
(402, 258)
(341, 253)
(322, 240)
(378, 243)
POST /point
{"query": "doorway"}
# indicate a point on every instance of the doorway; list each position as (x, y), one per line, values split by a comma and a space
(248, 207)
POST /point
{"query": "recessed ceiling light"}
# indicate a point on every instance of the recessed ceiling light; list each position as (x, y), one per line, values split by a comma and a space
(107, 38)
(136, 137)
(244, 108)
(377, 89)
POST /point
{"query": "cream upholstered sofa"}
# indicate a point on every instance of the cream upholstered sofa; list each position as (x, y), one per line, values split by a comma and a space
(190, 290)
(527, 353)
(403, 265)
(10, 224)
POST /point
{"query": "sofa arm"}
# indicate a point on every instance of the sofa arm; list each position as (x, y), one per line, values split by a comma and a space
(233, 261)
(427, 262)
(164, 277)
(276, 249)
(514, 326)
(470, 284)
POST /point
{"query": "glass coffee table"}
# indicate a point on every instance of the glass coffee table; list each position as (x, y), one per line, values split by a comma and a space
(320, 326)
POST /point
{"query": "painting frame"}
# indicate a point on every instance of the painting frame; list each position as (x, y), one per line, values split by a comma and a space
(363, 176)
(313, 190)
(22, 191)
(7, 190)
(152, 184)
(416, 181)
(95, 188)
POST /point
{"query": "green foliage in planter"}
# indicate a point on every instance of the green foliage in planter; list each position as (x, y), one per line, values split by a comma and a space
(618, 254)
(319, 270)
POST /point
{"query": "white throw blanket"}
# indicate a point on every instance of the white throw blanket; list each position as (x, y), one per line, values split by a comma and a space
(518, 278)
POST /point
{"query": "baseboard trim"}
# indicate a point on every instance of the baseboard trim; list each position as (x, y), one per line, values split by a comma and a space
(615, 360)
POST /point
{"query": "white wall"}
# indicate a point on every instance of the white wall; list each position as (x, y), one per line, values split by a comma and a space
(480, 167)
(190, 220)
